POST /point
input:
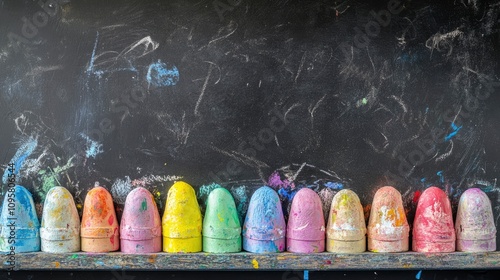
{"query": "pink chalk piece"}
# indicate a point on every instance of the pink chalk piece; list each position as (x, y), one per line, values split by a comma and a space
(140, 227)
(433, 229)
(306, 225)
(346, 230)
(475, 227)
(99, 230)
(388, 229)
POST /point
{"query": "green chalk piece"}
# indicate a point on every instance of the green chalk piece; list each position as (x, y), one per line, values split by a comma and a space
(221, 226)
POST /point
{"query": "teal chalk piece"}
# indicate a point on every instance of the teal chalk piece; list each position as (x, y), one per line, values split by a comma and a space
(19, 225)
(161, 75)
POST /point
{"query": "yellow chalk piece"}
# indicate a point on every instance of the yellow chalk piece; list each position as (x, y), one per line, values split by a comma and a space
(182, 222)
(255, 264)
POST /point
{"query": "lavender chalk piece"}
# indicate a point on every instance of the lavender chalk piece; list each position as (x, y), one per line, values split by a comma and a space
(388, 229)
(221, 225)
(306, 224)
(433, 230)
(19, 225)
(60, 230)
(346, 231)
(475, 227)
(264, 228)
(140, 227)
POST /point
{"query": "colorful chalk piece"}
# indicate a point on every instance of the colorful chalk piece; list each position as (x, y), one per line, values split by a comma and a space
(306, 224)
(388, 229)
(19, 225)
(221, 225)
(264, 229)
(99, 231)
(346, 230)
(60, 230)
(475, 227)
(433, 229)
(140, 227)
(182, 220)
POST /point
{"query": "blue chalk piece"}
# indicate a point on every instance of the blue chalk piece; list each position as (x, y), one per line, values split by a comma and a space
(19, 225)
(306, 274)
(264, 228)
(160, 75)
(419, 274)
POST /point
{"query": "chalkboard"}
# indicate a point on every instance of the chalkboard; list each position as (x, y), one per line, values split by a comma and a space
(319, 94)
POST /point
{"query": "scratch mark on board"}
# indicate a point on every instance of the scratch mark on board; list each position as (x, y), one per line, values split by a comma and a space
(196, 111)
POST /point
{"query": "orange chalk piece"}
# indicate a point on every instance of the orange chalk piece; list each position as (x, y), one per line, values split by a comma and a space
(140, 227)
(475, 227)
(433, 229)
(60, 231)
(99, 229)
(388, 229)
(346, 230)
(306, 223)
(181, 223)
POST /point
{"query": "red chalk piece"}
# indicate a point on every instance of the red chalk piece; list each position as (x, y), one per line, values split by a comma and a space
(433, 229)
(99, 230)
(306, 223)
(388, 229)
(140, 227)
(475, 227)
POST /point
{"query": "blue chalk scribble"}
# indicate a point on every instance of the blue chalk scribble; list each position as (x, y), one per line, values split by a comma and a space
(160, 75)
(334, 185)
(93, 147)
(441, 176)
(24, 151)
(452, 134)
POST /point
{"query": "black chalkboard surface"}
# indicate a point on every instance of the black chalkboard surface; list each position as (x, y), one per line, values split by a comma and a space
(319, 94)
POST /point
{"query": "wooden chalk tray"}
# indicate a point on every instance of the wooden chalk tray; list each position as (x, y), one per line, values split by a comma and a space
(251, 261)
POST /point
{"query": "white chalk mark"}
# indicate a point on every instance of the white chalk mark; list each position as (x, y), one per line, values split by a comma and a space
(405, 109)
(196, 112)
(225, 36)
(146, 42)
(291, 108)
(113, 26)
(249, 161)
(440, 41)
(371, 60)
(313, 109)
(350, 61)
(447, 154)
(298, 171)
(260, 82)
(39, 70)
(302, 60)
(276, 140)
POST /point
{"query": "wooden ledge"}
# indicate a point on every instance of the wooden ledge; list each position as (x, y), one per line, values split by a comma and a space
(250, 261)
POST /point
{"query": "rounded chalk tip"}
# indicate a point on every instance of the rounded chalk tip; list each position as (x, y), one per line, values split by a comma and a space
(182, 221)
(346, 223)
(19, 218)
(60, 230)
(474, 225)
(388, 229)
(221, 225)
(433, 229)
(306, 224)
(264, 229)
(99, 230)
(140, 227)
